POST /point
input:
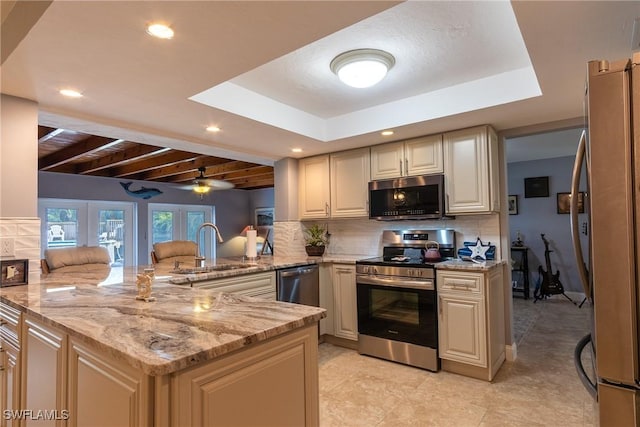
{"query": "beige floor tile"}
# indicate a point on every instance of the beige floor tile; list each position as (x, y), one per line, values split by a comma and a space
(540, 388)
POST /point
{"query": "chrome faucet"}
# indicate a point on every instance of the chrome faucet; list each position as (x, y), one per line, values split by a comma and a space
(199, 258)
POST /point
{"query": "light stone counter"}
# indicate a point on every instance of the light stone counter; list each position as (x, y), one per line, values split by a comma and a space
(182, 328)
(457, 264)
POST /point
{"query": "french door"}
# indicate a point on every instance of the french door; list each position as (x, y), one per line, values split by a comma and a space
(181, 222)
(79, 223)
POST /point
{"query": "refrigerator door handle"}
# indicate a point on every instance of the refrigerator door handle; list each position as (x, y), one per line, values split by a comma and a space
(590, 385)
(575, 232)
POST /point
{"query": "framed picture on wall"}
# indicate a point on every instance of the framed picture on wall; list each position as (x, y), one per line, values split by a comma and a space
(564, 201)
(264, 217)
(513, 205)
(536, 187)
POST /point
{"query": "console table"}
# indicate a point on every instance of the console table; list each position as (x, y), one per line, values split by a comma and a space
(520, 270)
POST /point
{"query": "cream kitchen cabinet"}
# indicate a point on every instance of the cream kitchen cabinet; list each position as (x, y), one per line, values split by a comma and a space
(44, 371)
(314, 190)
(350, 183)
(262, 285)
(345, 312)
(419, 156)
(104, 391)
(10, 362)
(334, 185)
(471, 171)
(471, 322)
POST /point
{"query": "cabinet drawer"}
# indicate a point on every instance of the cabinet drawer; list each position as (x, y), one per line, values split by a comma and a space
(467, 283)
(9, 322)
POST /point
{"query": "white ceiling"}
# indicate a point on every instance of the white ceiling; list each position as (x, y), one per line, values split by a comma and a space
(458, 64)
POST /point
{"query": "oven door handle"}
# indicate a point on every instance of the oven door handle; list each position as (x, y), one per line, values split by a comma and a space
(395, 282)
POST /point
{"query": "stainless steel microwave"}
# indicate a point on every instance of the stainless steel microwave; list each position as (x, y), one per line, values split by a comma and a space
(413, 197)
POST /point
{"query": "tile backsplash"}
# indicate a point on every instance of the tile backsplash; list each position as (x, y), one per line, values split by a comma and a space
(25, 236)
(363, 236)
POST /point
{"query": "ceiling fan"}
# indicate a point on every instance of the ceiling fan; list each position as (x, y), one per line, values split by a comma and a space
(203, 185)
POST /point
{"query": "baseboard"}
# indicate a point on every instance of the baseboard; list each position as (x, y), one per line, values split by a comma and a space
(340, 342)
(511, 352)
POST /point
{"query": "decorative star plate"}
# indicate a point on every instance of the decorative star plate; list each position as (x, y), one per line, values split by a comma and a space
(478, 250)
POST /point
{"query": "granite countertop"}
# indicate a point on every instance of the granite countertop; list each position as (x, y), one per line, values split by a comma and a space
(182, 328)
(236, 266)
(229, 267)
(458, 264)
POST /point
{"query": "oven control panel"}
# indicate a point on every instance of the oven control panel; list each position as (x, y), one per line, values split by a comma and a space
(385, 270)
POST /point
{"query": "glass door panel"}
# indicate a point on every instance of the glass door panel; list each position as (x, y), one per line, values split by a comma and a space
(162, 225)
(61, 225)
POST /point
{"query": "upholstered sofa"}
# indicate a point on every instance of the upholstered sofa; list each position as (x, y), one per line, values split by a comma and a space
(167, 253)
(75, 259)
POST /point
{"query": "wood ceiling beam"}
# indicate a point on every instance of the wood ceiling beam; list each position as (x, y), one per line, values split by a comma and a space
(110, 160)
(258, 170)
(189, 167)
(148, 164)
(74, 151)
(46, 133)
(250, 184)
(213, 171)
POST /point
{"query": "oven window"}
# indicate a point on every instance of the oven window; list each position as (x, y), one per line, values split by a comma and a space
(406, 315)
(395, 305)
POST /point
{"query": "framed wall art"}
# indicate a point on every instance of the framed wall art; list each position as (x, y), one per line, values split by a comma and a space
(564, 201)
(264, 217)
(536, 187)
(513, 205)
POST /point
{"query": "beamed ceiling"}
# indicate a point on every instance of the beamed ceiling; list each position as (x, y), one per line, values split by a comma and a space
(67, 151)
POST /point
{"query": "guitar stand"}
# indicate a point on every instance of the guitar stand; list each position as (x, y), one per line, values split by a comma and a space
(537, 297)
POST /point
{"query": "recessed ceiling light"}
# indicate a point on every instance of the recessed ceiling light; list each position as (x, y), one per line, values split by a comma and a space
(297, 150)
(70, 93)
(213, 129)
(161, 31)
(386, 132)
(362, 67)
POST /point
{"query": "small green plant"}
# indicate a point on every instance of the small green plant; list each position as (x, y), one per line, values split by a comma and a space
(316, 235)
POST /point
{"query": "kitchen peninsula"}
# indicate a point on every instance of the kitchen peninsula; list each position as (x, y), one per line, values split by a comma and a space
(83, 344)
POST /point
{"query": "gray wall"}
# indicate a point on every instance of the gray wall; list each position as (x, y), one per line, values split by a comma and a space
(233, 208)
(539, 215)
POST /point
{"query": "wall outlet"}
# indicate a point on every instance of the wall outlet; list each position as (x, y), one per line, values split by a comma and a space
(6, 246)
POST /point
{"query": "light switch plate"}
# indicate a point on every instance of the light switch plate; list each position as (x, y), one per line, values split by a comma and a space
(7, 246)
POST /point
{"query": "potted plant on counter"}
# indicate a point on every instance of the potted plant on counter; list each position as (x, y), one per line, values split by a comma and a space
(316, 240)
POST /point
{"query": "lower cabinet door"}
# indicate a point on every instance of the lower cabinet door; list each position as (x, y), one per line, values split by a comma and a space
(9, 382)
(44, 374)
(345, 301)
(104, 392)
(462, 329)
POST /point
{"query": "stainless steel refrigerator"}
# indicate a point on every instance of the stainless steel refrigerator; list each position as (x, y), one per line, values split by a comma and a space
(612, 279)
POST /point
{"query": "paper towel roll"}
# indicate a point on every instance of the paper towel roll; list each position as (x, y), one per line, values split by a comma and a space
(252, 237)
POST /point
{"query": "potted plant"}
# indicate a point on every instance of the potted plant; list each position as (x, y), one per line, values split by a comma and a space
(315, 239)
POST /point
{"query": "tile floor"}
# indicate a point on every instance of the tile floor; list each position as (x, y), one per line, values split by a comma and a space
(540, 388)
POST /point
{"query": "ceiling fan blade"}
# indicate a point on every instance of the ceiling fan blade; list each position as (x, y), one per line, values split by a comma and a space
(218, 184)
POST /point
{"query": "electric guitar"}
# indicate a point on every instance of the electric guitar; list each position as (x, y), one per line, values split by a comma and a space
(550, 282)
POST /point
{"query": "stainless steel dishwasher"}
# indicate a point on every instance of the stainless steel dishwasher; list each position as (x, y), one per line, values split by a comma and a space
(299, 285)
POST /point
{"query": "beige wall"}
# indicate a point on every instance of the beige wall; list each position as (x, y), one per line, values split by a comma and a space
(18, 158)
(19, 224)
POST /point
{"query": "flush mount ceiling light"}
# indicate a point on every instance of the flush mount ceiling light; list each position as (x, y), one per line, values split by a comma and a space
(362, 67)
(386, 133)
(213, 128)
(70, 93)
(161, 31)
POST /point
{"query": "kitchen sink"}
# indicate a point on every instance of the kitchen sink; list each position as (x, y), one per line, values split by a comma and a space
(210, 268)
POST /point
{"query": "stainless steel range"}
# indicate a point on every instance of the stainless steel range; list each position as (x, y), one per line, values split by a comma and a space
(397, 304)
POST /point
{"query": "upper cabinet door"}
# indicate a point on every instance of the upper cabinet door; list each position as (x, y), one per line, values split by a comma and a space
(423, 156)
(419, 156)
(387, 160)
(349, 183)
(313, 187)
(470, 175)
